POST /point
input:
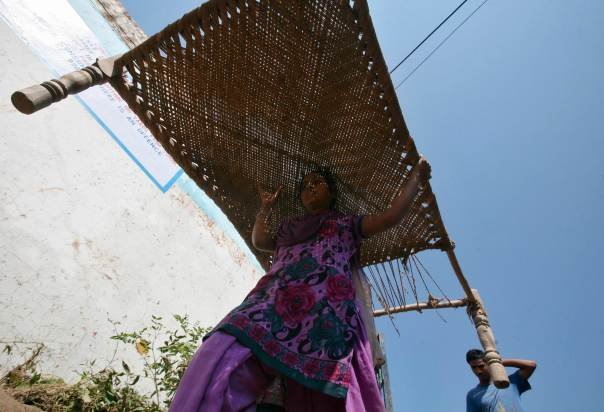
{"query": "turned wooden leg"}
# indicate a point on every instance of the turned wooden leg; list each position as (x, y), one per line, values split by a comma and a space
(487, 340)
(481, 323)
(34, 98)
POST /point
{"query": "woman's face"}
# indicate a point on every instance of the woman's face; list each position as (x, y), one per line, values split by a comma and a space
(315, 193)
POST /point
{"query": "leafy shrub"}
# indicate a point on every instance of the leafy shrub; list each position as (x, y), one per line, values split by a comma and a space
(165, 355)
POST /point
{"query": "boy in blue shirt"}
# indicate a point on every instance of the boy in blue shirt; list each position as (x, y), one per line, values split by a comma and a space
(485, 397)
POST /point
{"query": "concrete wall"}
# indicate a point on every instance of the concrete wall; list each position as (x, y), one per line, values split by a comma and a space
(85, 236)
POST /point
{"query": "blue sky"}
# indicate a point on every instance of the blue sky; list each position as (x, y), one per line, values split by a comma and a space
(508, 111)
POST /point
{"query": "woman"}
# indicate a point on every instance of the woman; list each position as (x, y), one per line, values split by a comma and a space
(301, 322)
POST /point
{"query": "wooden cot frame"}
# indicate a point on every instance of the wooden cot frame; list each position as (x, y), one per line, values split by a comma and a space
(37, 97)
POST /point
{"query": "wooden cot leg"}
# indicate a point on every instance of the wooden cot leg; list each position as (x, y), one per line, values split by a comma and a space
(487, 340)
(34, 98)
(481, 323)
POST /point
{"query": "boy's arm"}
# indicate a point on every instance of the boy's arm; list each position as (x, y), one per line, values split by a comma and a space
(525, 367)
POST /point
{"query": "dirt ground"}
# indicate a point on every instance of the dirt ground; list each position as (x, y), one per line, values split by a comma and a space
(9, 404)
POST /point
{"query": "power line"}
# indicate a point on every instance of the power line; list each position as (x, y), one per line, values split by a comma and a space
(440, 44)
(428, 36)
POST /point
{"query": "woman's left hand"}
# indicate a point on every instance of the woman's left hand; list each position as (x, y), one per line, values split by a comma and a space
(373, 224)
(421, 172)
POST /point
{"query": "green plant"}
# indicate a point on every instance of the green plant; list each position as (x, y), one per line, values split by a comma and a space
(165, 363)
(165, 355)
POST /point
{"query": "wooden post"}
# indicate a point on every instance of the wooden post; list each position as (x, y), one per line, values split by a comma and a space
(364, 295)
(480, 318)
(383, 370)
(34, 98)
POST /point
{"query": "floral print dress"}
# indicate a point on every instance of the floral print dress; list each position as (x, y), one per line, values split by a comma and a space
(301, 319)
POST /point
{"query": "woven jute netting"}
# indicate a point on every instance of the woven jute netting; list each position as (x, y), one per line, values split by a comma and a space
(259, 92)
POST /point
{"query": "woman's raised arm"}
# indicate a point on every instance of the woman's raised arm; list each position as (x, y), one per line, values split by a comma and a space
(261, 238)
(374, 224)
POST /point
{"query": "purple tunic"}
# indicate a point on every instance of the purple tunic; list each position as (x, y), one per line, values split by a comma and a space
(301, 319)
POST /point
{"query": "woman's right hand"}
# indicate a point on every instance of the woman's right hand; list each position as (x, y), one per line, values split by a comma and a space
(261, 238)
(268, 199)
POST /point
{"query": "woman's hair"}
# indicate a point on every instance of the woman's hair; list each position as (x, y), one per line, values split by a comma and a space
(326, 174)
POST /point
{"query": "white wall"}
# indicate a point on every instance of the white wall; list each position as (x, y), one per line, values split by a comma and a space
(85, 236)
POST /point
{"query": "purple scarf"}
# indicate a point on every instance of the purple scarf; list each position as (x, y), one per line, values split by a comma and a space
(298, 229)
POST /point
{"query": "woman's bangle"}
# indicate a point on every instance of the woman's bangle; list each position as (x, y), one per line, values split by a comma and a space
(264, 213)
